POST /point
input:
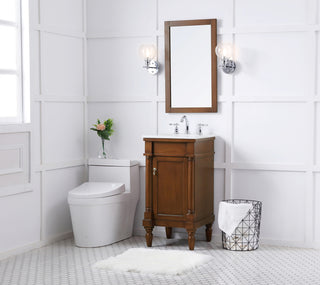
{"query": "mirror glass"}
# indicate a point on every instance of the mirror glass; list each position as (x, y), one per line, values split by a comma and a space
(191, 84)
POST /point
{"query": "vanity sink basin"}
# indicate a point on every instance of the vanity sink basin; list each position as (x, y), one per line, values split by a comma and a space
(178, 136)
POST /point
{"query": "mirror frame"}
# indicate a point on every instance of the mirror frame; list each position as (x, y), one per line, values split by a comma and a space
(167, 26)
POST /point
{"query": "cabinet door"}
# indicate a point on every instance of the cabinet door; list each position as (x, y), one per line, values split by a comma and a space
(170, 187)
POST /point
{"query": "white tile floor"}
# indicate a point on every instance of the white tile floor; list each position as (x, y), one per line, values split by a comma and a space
(62, 263)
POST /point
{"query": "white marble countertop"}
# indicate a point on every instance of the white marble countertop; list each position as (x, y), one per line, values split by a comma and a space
(178, 136)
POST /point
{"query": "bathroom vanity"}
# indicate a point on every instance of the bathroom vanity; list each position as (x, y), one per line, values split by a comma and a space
(179, 184)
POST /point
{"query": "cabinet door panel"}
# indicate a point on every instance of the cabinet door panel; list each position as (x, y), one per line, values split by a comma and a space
(170, 186)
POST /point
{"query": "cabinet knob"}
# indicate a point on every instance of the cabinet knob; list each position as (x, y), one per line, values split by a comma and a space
(154, 171)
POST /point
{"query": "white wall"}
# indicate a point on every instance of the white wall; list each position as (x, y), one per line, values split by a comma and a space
(60, 101)
(267, 126)
(40, 162)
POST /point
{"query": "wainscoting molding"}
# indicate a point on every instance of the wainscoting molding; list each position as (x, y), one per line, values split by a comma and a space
(19, 149)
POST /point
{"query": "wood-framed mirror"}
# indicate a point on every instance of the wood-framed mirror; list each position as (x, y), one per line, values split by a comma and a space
(191, 66)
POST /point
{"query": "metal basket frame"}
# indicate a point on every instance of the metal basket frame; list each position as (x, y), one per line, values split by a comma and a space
(246, 236)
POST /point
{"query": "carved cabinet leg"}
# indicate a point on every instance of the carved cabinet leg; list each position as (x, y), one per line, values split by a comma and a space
(208, 231)
(149, 236)
(191, 239)
(169, 232)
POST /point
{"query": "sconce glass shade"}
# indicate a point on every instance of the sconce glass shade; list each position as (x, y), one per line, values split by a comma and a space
(224, 50)
(148, 51)
(225, 54)
(149, 54)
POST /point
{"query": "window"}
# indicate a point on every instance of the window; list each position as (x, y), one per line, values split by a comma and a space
(14, 55)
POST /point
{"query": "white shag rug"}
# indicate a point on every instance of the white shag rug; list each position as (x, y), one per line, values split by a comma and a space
(155, 261)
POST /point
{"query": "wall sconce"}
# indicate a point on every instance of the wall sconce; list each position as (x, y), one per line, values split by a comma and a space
(149, 54)
(225, 53)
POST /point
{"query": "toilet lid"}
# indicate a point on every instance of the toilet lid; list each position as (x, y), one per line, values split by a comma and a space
(97, 190)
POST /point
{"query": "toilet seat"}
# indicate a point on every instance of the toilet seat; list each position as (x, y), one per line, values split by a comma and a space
(96, 190)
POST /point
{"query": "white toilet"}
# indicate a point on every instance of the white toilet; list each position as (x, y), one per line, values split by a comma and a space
(102, 210)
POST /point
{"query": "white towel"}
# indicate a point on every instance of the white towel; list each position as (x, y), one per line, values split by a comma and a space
(230, 215)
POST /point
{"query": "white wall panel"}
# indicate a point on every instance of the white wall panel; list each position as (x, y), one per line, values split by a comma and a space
(131, 121)
(170, 10)
(20, 219)
(141, 203)
(216, 125)
(124, 17)
(34, 58)
(274, 64)
(270, 133)
(317, 209)
(62, 14)
(115, 69)
(62, 65)
(317, 130)
(36, 146)
(272, 12)
(218, 196)
(14, 157)
(317, 63)
(56, 210)
(11, 159)
(161, 92)
(283, 201)
(63, 132)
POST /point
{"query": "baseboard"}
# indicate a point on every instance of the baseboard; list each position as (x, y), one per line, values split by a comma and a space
(177, 234)
(19, 250)
(35, 245)
(284, 243)
(216, 238)
(52, 239)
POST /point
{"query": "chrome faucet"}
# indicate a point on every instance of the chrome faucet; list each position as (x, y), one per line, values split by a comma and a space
(187, 123)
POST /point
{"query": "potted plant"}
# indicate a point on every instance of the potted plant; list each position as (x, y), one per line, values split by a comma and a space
(104, 131)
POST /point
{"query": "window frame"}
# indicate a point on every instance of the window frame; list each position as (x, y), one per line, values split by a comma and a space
(19, 68)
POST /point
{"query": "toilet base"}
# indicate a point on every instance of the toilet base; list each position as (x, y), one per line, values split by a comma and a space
(103, 224)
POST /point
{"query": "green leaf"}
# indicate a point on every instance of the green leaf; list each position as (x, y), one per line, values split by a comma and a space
(105, 134)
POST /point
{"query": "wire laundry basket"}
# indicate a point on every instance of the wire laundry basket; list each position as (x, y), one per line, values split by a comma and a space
(246, 236)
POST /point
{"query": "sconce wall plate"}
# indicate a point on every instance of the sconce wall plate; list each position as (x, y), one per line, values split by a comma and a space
(228, 66)
(152, 66)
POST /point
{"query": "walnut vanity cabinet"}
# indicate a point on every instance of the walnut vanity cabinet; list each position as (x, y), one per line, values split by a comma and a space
(179, 185)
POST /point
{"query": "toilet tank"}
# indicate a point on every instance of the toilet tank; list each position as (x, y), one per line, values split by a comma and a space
(116, 170)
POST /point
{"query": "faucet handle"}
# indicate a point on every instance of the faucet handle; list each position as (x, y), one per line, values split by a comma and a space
(176, 129)
(200, 128)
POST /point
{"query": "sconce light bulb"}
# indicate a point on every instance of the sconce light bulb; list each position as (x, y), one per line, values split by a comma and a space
(224, 50)
(148, 51)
